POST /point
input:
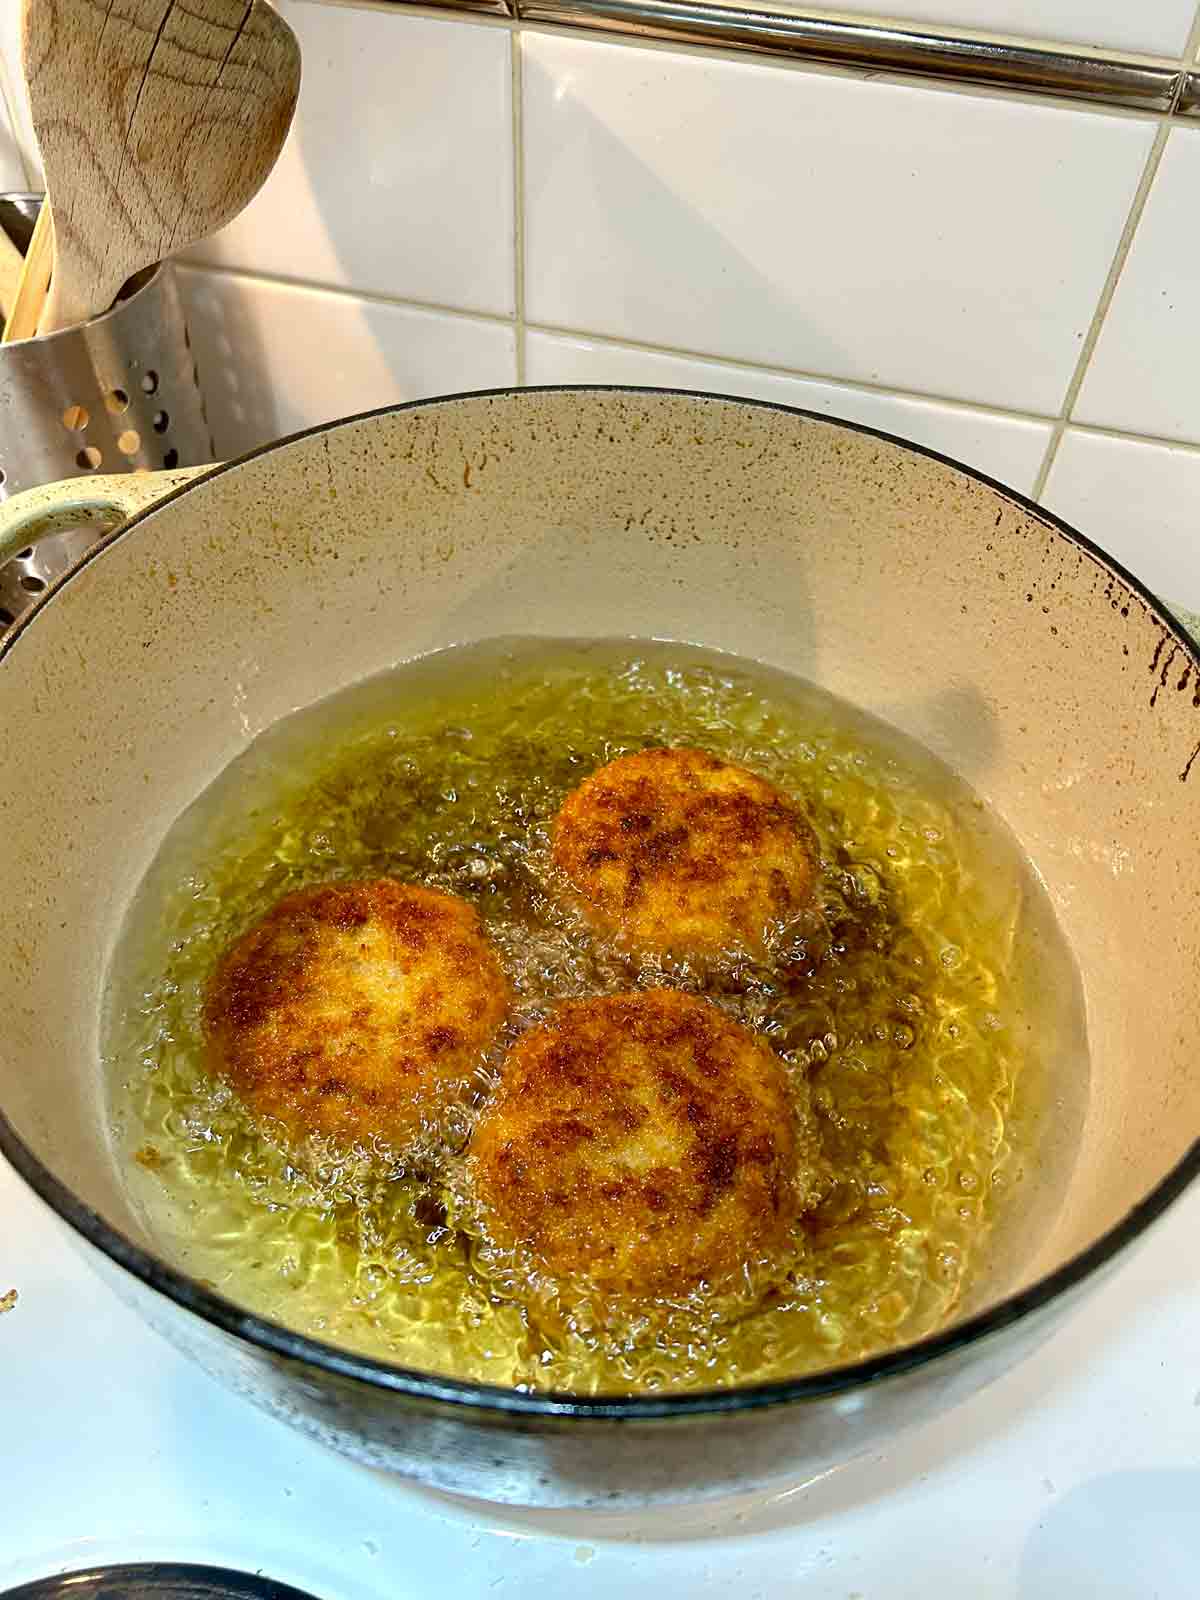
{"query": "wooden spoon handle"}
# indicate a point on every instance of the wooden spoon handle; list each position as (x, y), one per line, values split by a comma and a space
(30, 297)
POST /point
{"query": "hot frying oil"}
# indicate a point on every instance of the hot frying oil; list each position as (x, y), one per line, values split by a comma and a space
(922, 1030)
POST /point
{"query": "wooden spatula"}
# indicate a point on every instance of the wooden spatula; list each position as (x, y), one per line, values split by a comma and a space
(158, 121)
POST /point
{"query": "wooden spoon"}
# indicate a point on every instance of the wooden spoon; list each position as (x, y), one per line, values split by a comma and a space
(158, 121)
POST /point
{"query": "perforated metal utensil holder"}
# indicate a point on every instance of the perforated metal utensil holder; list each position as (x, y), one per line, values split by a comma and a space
(117, 394)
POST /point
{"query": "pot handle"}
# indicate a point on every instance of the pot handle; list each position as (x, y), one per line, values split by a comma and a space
(46, 532)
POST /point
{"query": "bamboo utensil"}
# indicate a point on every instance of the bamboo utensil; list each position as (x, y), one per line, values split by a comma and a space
(29, 297)
(12, 264)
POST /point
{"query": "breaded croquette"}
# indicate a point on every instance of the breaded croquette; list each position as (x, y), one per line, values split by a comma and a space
(678, 850)
(356, 1010)
(641, 1146)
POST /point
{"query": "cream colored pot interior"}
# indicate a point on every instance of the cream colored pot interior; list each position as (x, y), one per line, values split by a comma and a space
(886, 576)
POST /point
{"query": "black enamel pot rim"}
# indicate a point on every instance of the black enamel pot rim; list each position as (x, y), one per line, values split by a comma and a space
(154, 1580)
(481, 1400)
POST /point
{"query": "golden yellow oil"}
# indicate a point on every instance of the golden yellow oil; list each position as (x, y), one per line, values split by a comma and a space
(923, 1031)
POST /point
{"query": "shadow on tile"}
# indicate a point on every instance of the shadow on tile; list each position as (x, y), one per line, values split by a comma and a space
(1121, 1536)
(232, 363)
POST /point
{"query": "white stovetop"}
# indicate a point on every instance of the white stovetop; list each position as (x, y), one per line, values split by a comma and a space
(1078, 1475)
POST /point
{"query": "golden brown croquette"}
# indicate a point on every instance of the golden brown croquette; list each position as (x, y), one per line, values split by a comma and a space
(356, 1009)
(641, 1146)
(678, 850)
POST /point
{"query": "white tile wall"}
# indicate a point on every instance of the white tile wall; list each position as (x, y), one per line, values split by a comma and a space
(1157, 27)
(1143, 372)
(12, 81)
(12, 168)
(397, 176)
(1008, 448)
(1138, 501)
(927, 261)
(943, 243)
(274, 358)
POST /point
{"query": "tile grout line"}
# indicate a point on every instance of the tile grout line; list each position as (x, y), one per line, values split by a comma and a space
(853, 385)
(1141, 196)
(517, 59)
(1120, 256)
(803, 374)
(1127, 436)
(340, 291)
(505, 319)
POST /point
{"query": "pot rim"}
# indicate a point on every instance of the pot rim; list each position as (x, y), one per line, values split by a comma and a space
(483, 1399)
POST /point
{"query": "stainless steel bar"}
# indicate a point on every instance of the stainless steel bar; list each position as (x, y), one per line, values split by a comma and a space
(1189, 95)
(1101, 77)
